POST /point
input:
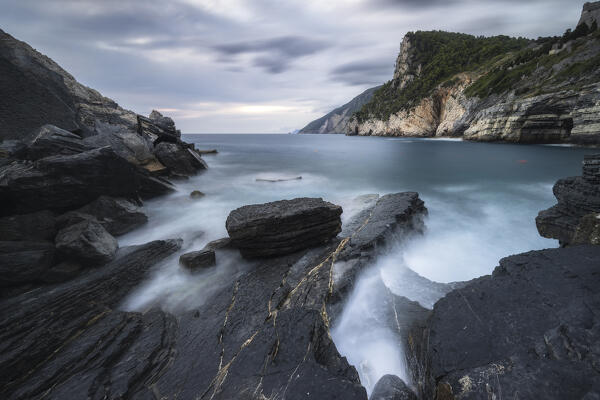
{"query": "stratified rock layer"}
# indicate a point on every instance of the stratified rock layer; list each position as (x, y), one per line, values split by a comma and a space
(530, 330)
(266, 335)
(69, 181)
(577, 197)
(283, 227)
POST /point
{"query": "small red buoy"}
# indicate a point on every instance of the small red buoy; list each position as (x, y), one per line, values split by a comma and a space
(522, 161)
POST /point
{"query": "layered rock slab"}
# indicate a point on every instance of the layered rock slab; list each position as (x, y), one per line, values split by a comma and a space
(266, 335)
(283, 227)
(530, 330)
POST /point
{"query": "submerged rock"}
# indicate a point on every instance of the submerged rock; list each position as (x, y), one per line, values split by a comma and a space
(530, 330)
(391, 387)
(86, 242)
(198, 259)
(196, 194)
(283, 227)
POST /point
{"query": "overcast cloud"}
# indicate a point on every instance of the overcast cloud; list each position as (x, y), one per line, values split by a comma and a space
(255, 65)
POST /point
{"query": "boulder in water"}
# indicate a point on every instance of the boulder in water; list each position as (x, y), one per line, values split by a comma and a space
(283, 227)
(196, 260)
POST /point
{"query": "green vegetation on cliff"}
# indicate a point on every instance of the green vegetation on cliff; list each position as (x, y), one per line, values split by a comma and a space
(530, 70)
(440, 55)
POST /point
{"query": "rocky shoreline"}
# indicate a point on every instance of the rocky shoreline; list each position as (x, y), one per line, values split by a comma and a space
(529, 330)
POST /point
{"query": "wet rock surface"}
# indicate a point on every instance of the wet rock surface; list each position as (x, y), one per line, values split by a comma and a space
(196, 260)
(283, 227)
(266, 335)
(577, 197)
(391, 387)
(529, 330)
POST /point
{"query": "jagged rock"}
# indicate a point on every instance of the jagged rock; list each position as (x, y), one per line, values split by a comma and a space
(36, 226)
(196, 260)
(68, 182)
(577, 197)
(163, 122)
(62, 272)
(37, 91)
(23, 262)
(529, 330)
(50, 140)
(391, 387)
(265, 334)
(179, 159)
(86, 242)
(283, 227)
(588, 230)
(73, 330)
(117, 216)
(590, 14)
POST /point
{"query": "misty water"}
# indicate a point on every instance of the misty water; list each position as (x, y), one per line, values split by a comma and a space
(482, 201)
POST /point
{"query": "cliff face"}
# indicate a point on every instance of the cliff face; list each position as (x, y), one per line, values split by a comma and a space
(37, 91)
(497, 89)
(337, 120)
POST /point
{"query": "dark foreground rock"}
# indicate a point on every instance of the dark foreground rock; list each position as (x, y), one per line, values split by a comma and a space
(530, 330)
(50, 140)
(24, 261)
(71, 337)
(86, 242)
(391, 387)
(266, 335)
(117, 216)
(198, 259)
(37, 226)
(61, 183)
(283, 227)
(577, 197)
(179, 159)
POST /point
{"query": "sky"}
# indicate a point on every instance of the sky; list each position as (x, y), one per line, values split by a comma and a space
(252, 66)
